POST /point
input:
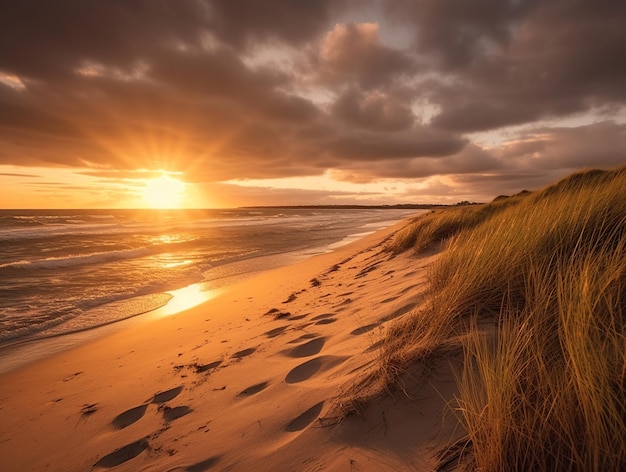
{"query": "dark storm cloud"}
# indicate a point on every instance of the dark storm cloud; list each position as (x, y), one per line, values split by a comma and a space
(516, 61)
(223, 89)
(468, 160)
(242, 22)
(220, 74)
(457, 32)
(541, 156)
(600, 144)
(417, 142)
(42, 39)
(353, 53)
(123, 84)
(536, 158)
(376, 110)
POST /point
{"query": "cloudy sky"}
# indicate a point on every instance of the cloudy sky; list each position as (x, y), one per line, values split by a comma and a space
(305, 101)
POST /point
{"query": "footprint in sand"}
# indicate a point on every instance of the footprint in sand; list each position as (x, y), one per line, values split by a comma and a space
(272, 333)
(308, 369)
(123, 454)
(305, 419)
(129, 417)
(364, 329)
(244, 353)
(171, 414)
(253, 389)
(399, 312)
(134, 414)
(308, 349)
(347, 301)
(162, 397)
(205, 367)
(304, 337)
(204, 465)
(201, 466)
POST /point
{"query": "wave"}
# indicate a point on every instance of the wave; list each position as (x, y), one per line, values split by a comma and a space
(48, 227)
(96, 317)
(76, 228)
(51, 231)
(80, 260)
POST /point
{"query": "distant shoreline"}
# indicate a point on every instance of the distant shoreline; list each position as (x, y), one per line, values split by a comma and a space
(400, 206)
(407, 206)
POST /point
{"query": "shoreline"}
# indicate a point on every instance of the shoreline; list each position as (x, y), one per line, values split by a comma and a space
(236, 382)
(18, 352)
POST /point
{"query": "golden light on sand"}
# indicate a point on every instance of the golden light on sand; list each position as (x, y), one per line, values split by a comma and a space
(164, 192)
(186, 298)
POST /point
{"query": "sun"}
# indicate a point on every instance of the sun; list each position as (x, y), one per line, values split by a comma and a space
(164, 192)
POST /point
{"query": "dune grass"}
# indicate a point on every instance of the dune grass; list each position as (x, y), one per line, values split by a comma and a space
(544, 387)
(439, 225)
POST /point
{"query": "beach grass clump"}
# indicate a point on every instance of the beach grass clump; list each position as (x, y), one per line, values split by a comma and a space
(535, 286)
(438, 226)
(546, 390)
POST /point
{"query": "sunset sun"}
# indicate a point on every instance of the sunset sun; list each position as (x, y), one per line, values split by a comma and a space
(164, 192)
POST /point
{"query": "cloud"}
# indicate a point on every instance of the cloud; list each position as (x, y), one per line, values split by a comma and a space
(600, 144)
(374, 110)
(229, 195)
(220, 74)
(48, 40)
(485, 187)
(468, 160)
(535, 157)
(353, 53)
(416, 142)
(515, 62)
(245, 22)
(207, 113)
(9, 174)
(455, 33)
(221, 89)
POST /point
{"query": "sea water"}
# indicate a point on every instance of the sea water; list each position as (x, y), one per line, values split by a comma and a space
(63, 271)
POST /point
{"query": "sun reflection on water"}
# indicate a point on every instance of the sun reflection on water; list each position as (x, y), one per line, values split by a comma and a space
(167, 238)
(169, 265)
(186, 298)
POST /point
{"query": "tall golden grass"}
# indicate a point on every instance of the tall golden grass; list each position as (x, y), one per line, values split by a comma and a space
(545, 388)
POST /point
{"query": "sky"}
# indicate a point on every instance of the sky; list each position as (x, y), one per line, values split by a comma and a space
(289, 102)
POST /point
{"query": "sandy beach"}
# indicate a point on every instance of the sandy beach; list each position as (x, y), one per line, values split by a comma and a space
(246, 381)
(312, 236)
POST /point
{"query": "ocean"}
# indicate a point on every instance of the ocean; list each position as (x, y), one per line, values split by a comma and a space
(67, 271)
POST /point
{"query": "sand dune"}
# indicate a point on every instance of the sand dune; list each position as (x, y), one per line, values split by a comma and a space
(242, 382)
